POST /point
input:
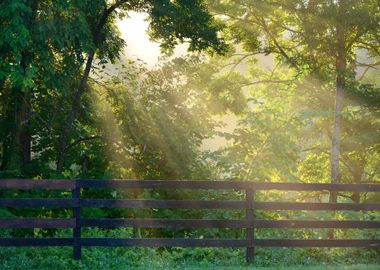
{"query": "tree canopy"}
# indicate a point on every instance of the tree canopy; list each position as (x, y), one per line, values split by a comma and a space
(269, 90)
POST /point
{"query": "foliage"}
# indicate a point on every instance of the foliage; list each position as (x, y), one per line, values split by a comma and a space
(276, 80)
(322, 41)
(177, 258)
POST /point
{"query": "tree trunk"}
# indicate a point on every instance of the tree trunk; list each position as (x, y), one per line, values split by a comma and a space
(64, 142)
(17, 149)
(24, 130)
(341, 67)
(65, 138)
(335, 147)
(17, 154)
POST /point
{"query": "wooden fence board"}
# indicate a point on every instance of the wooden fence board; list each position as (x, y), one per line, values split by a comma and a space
(44, 223)
(37, 184)
(175, 184)
(317, 243)
(62, 203)
(163, 242)
(337, 224)
(162, 223)
(183, 204)
(35, 242)
(316, 206)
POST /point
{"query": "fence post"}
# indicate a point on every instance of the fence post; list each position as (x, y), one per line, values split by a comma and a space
(249, 197)
(77, 249)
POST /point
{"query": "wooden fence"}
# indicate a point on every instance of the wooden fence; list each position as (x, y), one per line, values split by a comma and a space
(249, 223)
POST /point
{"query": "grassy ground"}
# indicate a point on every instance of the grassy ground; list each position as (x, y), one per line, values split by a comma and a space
(179, 259)
(352, 267)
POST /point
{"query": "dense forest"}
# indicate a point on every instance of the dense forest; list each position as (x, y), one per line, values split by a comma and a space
(284, 90)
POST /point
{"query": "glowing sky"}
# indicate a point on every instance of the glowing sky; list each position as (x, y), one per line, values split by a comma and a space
(133, 30)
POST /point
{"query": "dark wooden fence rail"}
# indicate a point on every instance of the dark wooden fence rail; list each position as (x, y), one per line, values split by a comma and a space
(249, 223)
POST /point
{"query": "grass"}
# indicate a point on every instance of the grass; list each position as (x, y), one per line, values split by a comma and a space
(125, 258)
(345, 267)
(191, 259)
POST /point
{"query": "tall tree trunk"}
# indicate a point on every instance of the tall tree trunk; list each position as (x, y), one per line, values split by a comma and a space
(24, 130)
(341, 66)
(336, 136)
(23, 116)
(17, 154)
(25, 136)
(75, 104)
(17, 151)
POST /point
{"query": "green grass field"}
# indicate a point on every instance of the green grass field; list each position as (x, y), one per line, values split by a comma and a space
(192, 259)
(346, 267)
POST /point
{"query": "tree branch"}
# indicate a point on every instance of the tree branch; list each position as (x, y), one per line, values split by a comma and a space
(102, 21)
(278, 46)
(267, 81)
(82, 140)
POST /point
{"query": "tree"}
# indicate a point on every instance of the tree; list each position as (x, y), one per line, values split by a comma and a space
(318, 39)
(153, 124)
(49, 49)
(172, 22)
(33, 58)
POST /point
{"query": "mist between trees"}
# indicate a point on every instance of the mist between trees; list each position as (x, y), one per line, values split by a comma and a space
(311, 115)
